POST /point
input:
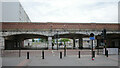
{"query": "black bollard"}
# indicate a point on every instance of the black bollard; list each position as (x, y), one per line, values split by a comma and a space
(43, 54)
(79, 54)
(64, 52)
(106, 53)
(60, 55)
(27, 55)
(93, 54)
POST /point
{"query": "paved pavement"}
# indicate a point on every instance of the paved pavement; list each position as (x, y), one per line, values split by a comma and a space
(11, 58)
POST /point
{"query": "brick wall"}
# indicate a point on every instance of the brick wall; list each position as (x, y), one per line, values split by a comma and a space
(59, 26)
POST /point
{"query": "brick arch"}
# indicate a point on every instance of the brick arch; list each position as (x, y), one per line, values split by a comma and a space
(24, 36)
(15, 41)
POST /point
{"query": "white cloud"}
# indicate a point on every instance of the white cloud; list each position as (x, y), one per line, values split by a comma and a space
(72, 10)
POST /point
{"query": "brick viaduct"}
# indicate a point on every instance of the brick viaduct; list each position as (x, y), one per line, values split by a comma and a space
(14, 33)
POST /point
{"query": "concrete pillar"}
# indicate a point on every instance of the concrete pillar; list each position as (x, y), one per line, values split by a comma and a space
(80, 43)
(49, 42)
(2, 41)
(73, 43)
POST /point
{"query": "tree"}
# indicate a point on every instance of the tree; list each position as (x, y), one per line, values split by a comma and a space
(33, 40)
(64, 40)
(42, 40)
(53, 41)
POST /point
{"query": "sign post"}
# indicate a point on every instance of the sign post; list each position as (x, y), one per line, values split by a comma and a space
(92, 38)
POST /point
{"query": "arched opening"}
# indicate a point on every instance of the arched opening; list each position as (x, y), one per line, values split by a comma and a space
(113, 40)
(35, 44)
(17, 41)
(75, 40)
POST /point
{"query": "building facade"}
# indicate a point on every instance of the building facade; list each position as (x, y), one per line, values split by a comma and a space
(14, 12)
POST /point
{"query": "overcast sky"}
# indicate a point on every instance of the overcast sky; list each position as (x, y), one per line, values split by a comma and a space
(101, 11)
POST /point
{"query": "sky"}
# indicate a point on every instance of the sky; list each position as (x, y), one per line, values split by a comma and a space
(72, 11)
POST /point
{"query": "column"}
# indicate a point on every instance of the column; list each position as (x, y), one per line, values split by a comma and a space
(3, 42)
(49, 42)
(73, 43)
(1, 48)
(80, 43)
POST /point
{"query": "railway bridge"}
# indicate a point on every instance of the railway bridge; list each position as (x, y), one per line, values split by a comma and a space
(14, 33)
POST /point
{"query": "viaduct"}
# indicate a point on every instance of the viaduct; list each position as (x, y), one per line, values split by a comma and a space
(13, 34)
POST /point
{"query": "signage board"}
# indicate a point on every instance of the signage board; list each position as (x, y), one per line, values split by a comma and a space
(92, 38)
